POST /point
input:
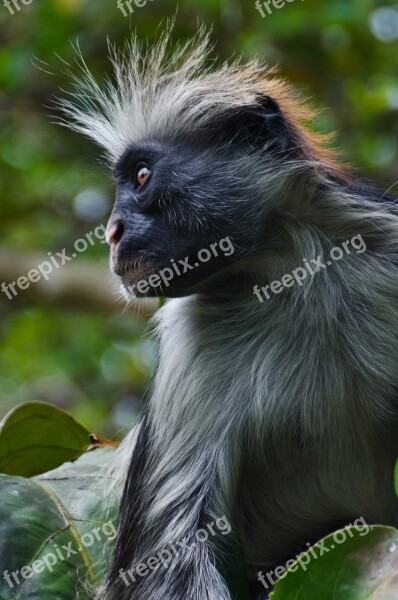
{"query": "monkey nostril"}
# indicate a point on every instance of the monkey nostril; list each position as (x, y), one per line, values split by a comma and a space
(115, 232)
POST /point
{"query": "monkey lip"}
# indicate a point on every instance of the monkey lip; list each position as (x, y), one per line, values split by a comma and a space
(135, 269)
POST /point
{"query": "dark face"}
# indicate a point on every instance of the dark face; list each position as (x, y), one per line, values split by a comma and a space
(186, 208)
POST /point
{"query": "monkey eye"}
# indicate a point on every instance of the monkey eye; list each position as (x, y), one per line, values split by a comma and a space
(142, 174)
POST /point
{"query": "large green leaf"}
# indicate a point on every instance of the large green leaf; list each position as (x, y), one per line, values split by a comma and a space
(348, 565)
(37, 437)
(57, 530)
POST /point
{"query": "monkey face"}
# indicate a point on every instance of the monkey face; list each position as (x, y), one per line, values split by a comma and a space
(187, 207)
(172, 226)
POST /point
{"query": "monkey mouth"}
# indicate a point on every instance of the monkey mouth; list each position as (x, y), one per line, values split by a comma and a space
(134, 269)
(123, 267)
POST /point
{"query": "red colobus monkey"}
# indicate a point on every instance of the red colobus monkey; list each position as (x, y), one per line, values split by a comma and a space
(274, 405)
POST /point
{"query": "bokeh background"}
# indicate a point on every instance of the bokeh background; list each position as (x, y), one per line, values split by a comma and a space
(69, 341)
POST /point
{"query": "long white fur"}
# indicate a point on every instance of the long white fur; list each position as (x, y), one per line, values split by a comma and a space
(155, 92)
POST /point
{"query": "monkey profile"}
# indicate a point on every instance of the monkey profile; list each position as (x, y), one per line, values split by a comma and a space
(276, 410)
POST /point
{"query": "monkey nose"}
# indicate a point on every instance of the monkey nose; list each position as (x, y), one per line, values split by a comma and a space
(115, 231)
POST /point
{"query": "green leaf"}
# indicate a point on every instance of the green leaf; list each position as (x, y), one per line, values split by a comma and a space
(355, 565)
(58, 527)
(37, 437)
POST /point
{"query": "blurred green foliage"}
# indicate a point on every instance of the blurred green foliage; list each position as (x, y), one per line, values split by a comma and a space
(343, 54)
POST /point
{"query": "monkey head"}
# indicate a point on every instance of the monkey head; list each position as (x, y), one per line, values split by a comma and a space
(187, 206)
(201, 156)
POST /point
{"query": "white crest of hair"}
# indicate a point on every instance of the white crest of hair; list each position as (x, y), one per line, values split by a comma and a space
(156, 93)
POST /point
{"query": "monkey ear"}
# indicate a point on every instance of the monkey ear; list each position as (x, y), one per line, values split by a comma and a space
(276, 124)
(263, 124)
